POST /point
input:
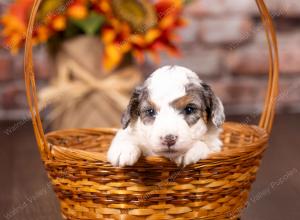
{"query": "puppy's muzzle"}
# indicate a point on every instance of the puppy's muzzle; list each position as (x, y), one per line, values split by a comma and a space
(169, 140)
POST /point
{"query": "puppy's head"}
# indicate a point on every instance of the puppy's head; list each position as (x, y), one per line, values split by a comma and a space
(173, 109)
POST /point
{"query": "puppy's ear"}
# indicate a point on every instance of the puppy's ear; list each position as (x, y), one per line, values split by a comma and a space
(132, 111)
(214, 106)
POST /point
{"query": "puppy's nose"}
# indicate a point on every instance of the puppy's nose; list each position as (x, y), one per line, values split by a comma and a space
(169, 140)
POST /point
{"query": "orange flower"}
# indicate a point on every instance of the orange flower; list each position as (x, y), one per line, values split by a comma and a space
(42, 33)
(78, 11)
(138, 27)
(21, 9)
(119, 37)
(58, 23)
(14, 32)
(14, 24)
(115, 45)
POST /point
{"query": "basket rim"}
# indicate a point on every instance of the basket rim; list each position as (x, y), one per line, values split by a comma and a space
(67, 155)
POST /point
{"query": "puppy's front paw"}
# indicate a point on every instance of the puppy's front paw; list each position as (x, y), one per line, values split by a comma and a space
(215, 145)
(199, 151)
(123, 155)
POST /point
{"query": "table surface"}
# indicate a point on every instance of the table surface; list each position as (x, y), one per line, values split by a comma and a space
(27, 194)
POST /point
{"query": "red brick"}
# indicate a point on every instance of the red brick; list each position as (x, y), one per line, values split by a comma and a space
(6, 67)
(42, 65)
(289, 92)
(253, 59)
(286, 8)
(289, 51)
(189, 33)
(13, 96)
(205, 62)
(240, 96)
(248, 60)
(221, 7)
(42, 68)
(225, 29)
(236, 90)
(19, 66)
(289, 8)
(2, 7)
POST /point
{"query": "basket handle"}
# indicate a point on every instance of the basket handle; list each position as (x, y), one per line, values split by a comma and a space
(268, 114)
(267, 117)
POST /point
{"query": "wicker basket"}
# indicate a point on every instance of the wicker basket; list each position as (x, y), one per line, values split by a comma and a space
(88, 187)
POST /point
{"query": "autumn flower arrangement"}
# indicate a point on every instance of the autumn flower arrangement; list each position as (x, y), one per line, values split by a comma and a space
(83, 91)
(135, 27)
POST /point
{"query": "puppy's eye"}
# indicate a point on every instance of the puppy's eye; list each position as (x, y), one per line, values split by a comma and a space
(150, 112)
(189, 110)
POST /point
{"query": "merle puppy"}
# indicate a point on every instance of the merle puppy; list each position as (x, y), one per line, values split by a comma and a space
(173, 114)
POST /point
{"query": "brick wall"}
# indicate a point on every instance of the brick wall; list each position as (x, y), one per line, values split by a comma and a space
(13, 105)
(224, 43)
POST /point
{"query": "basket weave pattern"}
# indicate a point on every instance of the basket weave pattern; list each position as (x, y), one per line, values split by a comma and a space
(154, 188)
(88, 187)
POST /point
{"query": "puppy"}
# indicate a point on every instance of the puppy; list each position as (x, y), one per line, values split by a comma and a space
(175, 115)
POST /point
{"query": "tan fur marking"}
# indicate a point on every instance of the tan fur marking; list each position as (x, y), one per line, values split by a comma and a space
(182, 102)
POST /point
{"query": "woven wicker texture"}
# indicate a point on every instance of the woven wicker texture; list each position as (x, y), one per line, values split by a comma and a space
(88, 187)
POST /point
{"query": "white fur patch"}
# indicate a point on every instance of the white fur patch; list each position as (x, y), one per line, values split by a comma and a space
(168, 83)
